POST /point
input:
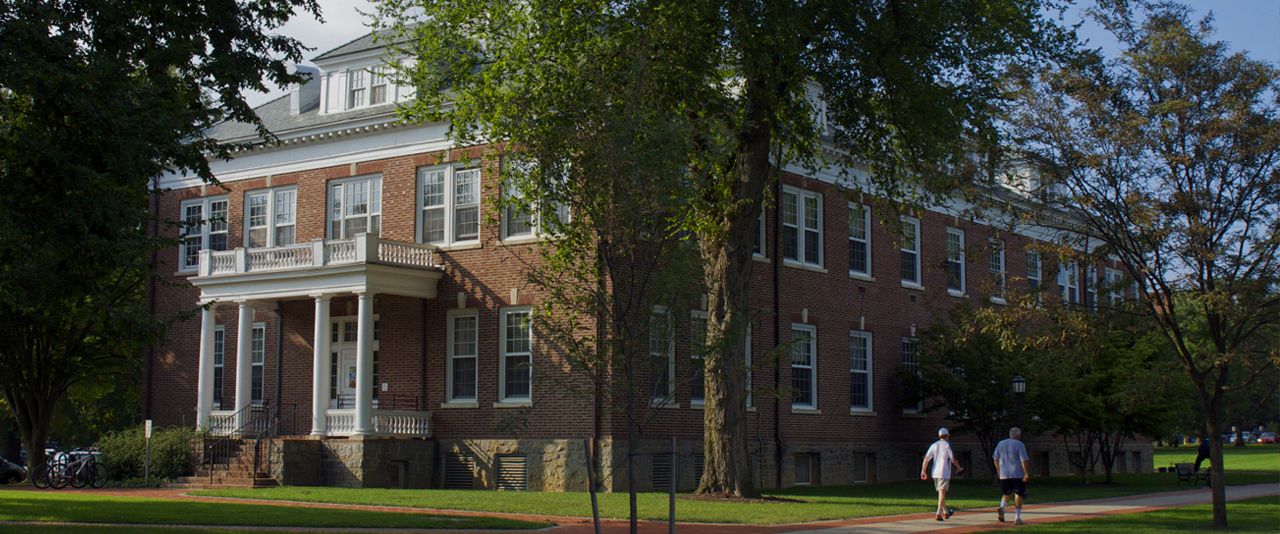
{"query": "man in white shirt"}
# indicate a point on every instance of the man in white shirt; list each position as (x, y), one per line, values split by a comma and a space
(1011, 463)
(942, 457)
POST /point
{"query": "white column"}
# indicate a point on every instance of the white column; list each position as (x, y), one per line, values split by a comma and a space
(244, 363)
(320, 372)
(204, 384)
(364, 367)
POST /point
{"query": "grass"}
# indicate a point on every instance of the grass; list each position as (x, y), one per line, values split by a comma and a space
(1258, 458)
(84, 508)
(1244, 516)
(815, 503)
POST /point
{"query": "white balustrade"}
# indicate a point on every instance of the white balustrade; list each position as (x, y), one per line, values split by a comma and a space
(221, 422)
(391, 423)
(341, 422)
(363, 248)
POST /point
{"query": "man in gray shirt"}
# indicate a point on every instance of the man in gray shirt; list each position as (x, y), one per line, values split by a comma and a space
(1011, 463)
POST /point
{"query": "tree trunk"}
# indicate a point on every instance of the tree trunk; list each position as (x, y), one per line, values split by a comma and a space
(1216, 476)
(727, 257)
(33, 414)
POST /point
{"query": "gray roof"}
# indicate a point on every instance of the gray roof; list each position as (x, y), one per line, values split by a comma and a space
(275, 116)
(359, 44)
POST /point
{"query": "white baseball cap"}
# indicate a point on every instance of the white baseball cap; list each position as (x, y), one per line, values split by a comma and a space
(943, 431)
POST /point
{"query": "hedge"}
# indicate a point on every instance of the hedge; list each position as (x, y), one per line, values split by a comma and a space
(125, 452)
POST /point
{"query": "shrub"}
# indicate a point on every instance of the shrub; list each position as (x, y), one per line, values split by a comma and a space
(125, 453)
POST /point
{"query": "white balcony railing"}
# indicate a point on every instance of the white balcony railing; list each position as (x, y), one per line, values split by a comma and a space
(363, 248)
(392, 423)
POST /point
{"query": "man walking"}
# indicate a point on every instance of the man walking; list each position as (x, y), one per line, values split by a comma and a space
(942, 457)
(1011, 464)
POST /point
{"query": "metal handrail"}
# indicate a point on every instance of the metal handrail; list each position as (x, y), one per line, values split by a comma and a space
(267, 434)
(211, 451)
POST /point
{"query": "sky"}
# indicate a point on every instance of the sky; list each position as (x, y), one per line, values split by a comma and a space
(1248, 25)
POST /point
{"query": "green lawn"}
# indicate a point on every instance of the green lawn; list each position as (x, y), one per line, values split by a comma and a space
(1248, 458)
(50, 505)
(1245, 516)
(814, 503)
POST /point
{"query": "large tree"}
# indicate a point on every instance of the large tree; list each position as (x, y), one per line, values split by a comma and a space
(901, 87)
(97, 99)
(1169, 155)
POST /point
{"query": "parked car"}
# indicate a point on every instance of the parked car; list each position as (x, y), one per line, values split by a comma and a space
(1267, 437)
(11, 472)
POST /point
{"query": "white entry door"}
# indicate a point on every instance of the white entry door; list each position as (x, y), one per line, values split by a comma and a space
(347, 377)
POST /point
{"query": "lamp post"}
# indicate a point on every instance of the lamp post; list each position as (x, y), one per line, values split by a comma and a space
(1019, 387)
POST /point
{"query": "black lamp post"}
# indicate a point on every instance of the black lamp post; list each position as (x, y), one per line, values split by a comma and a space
(1019, 387)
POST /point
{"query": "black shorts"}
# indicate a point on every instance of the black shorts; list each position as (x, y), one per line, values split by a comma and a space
(1013, 485)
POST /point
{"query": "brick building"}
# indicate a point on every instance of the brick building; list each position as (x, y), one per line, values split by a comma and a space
(357, 286)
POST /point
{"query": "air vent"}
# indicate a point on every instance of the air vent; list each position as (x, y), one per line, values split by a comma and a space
(698, 461)
(513, 473)
(662, 472)
(459, 471)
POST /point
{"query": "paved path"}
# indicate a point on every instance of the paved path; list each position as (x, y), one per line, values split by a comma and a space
(961, 522)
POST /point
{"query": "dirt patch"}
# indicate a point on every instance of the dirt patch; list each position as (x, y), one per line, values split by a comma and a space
(719, 498)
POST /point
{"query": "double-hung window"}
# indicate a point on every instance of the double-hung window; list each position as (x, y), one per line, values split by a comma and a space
(1033, 270)
(1090, 286)
(955, 261)
(859, 240)
(911, 363)
(1067, 283)
(804, 358)
(357, 80)
(996, 266)
(909, 248)
(450, 204)
(219, 359)
(758, 247)
(522, 219)
(257, 355)
(270, 217)
(517, 354)
(378, 87)
(860, 371)
(205, 227)
(463, 346)
(661, 355)
(802, 226)
(1115, 286)
(697, 347)
(355, 206)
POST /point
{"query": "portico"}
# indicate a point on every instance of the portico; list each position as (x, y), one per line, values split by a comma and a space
(250, 279)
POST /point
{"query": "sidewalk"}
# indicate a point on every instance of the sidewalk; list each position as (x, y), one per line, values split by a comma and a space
(961, 522)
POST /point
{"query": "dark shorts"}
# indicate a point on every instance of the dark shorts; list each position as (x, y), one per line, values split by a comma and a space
(1013, 485)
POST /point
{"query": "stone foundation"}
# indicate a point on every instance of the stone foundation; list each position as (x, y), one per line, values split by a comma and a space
(560, 465)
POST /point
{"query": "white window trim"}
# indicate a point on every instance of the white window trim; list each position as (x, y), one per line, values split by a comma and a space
(960, 292)
(919, 407)
(450, 401)
(374, 201)
(204, 232)
(866, 221)
(998, 252)
(1114, 291)
(1069, 283)
(801, 195)
(812, 330)
(450, 207)
(537, 230)
(271, 226)
(870, 407)
(258, 359)
(915, 249)
(219, 362)
(763, 242)
(668, 400)
(696, 356)
(503, 399)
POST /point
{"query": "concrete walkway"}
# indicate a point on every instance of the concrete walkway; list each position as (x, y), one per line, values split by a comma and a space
(961, 522)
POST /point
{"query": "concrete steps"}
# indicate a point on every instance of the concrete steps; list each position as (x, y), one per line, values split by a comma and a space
(233, 468)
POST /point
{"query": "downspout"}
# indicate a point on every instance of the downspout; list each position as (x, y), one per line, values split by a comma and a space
(151, 290)
(279, 354)
(422, 393)
(777, 326)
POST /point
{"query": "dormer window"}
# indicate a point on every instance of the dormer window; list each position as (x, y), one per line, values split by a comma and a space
(366, 87)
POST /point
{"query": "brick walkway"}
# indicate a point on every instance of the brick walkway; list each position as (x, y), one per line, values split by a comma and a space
(961, 522)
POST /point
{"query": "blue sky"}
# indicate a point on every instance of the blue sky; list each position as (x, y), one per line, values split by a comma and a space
(1250, 25)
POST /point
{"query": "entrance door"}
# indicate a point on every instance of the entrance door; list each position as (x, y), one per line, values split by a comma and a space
(347, 378)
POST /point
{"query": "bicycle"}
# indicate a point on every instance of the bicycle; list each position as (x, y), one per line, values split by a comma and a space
(78, 468)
